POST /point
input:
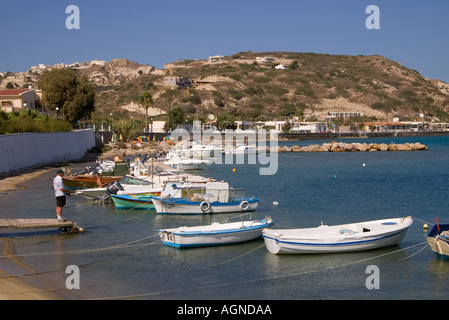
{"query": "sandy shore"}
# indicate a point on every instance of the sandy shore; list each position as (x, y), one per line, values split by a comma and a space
(13, 287)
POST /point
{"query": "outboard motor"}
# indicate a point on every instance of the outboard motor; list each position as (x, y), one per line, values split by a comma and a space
(114, 187)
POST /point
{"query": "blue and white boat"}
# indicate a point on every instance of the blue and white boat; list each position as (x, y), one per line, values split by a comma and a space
(214, 234)
(203, 198)
(438, 240)
(340, 238)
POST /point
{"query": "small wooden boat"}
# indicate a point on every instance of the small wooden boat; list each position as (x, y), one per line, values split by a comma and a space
(214, 234)
(134, 201)
(85, 181)
(340, 238)
(438, 240)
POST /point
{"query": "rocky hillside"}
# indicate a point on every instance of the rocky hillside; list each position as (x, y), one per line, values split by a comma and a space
(248, 88)
(312, 86)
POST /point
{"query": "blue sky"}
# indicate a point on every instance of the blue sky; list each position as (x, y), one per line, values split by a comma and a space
(413, 32)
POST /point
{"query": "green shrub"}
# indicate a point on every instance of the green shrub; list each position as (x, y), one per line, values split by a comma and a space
(277, 91)
(262, 79)
(306, 91)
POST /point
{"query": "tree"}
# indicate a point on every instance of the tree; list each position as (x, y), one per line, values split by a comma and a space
(287, 127)
(83, 103)
(226, 121)
(128, 128)
(73, 96)
(146, 101)
(175, 116)
(293, 65)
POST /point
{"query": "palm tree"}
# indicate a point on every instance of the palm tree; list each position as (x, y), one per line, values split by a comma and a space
(226, 121)
(146, 101)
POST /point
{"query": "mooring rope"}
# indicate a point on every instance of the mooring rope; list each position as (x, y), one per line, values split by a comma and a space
(427, 244)
(239, 256)
(130, 244)
(259, 279)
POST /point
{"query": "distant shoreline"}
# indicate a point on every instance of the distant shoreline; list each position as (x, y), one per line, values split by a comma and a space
(355, 135)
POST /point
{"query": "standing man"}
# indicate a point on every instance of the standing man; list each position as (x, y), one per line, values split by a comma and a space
(60, 193)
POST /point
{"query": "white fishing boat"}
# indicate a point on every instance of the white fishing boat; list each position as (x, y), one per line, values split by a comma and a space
(215, 233)
(179, 160)
(126, 185)
(339, 238)
(243, 149)
(202, 198)
(438, 240)
(204, 151)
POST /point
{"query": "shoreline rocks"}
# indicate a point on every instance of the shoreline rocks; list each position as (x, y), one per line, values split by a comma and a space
(163, 148)
(355, 147)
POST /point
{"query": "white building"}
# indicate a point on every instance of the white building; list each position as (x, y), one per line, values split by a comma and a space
(265, 59)
(281, 67)
(214, 59)
(277, 125)
(344, 114)
(308, 127)
(157, 126)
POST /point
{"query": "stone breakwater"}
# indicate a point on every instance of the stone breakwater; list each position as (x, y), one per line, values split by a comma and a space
(354, 147)
(162, 149)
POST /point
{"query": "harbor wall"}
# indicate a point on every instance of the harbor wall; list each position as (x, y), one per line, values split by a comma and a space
(23, 150)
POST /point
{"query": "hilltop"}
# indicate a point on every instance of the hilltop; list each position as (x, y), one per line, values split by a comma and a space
(268, 85)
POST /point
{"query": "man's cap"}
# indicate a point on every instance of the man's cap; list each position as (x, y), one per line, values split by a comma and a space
(59, 171)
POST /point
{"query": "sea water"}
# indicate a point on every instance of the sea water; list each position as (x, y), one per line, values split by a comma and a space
(120, 254)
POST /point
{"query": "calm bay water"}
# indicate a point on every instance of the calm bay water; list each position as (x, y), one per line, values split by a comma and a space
(120, 254)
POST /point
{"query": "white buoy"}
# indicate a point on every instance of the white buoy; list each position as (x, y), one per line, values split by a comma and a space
(364, 164)
(425, 226)
(275, 203)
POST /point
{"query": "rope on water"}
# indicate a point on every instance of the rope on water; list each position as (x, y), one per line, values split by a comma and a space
(429, 223)
(130, 244)
(239, 256)
(259, 279)
(427, 244)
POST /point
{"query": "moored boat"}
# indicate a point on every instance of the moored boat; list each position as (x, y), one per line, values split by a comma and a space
(85, 181)
(203, 198)
(126, 185)
(339, 238)
(182, 161)
(215, 233)
(438, 240)
(134, 201)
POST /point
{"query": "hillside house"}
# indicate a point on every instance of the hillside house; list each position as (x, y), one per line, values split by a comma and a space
(178, 82)
(265, 59)
(215, 59)
(18, 99)
(344, 115)
(281, 67)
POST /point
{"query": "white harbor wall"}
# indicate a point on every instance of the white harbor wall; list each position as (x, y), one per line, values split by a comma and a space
(18, 151)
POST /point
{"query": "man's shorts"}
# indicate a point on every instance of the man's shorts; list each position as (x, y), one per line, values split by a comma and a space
(60, 201)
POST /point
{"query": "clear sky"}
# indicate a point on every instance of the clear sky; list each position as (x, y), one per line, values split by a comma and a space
(413, 32)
